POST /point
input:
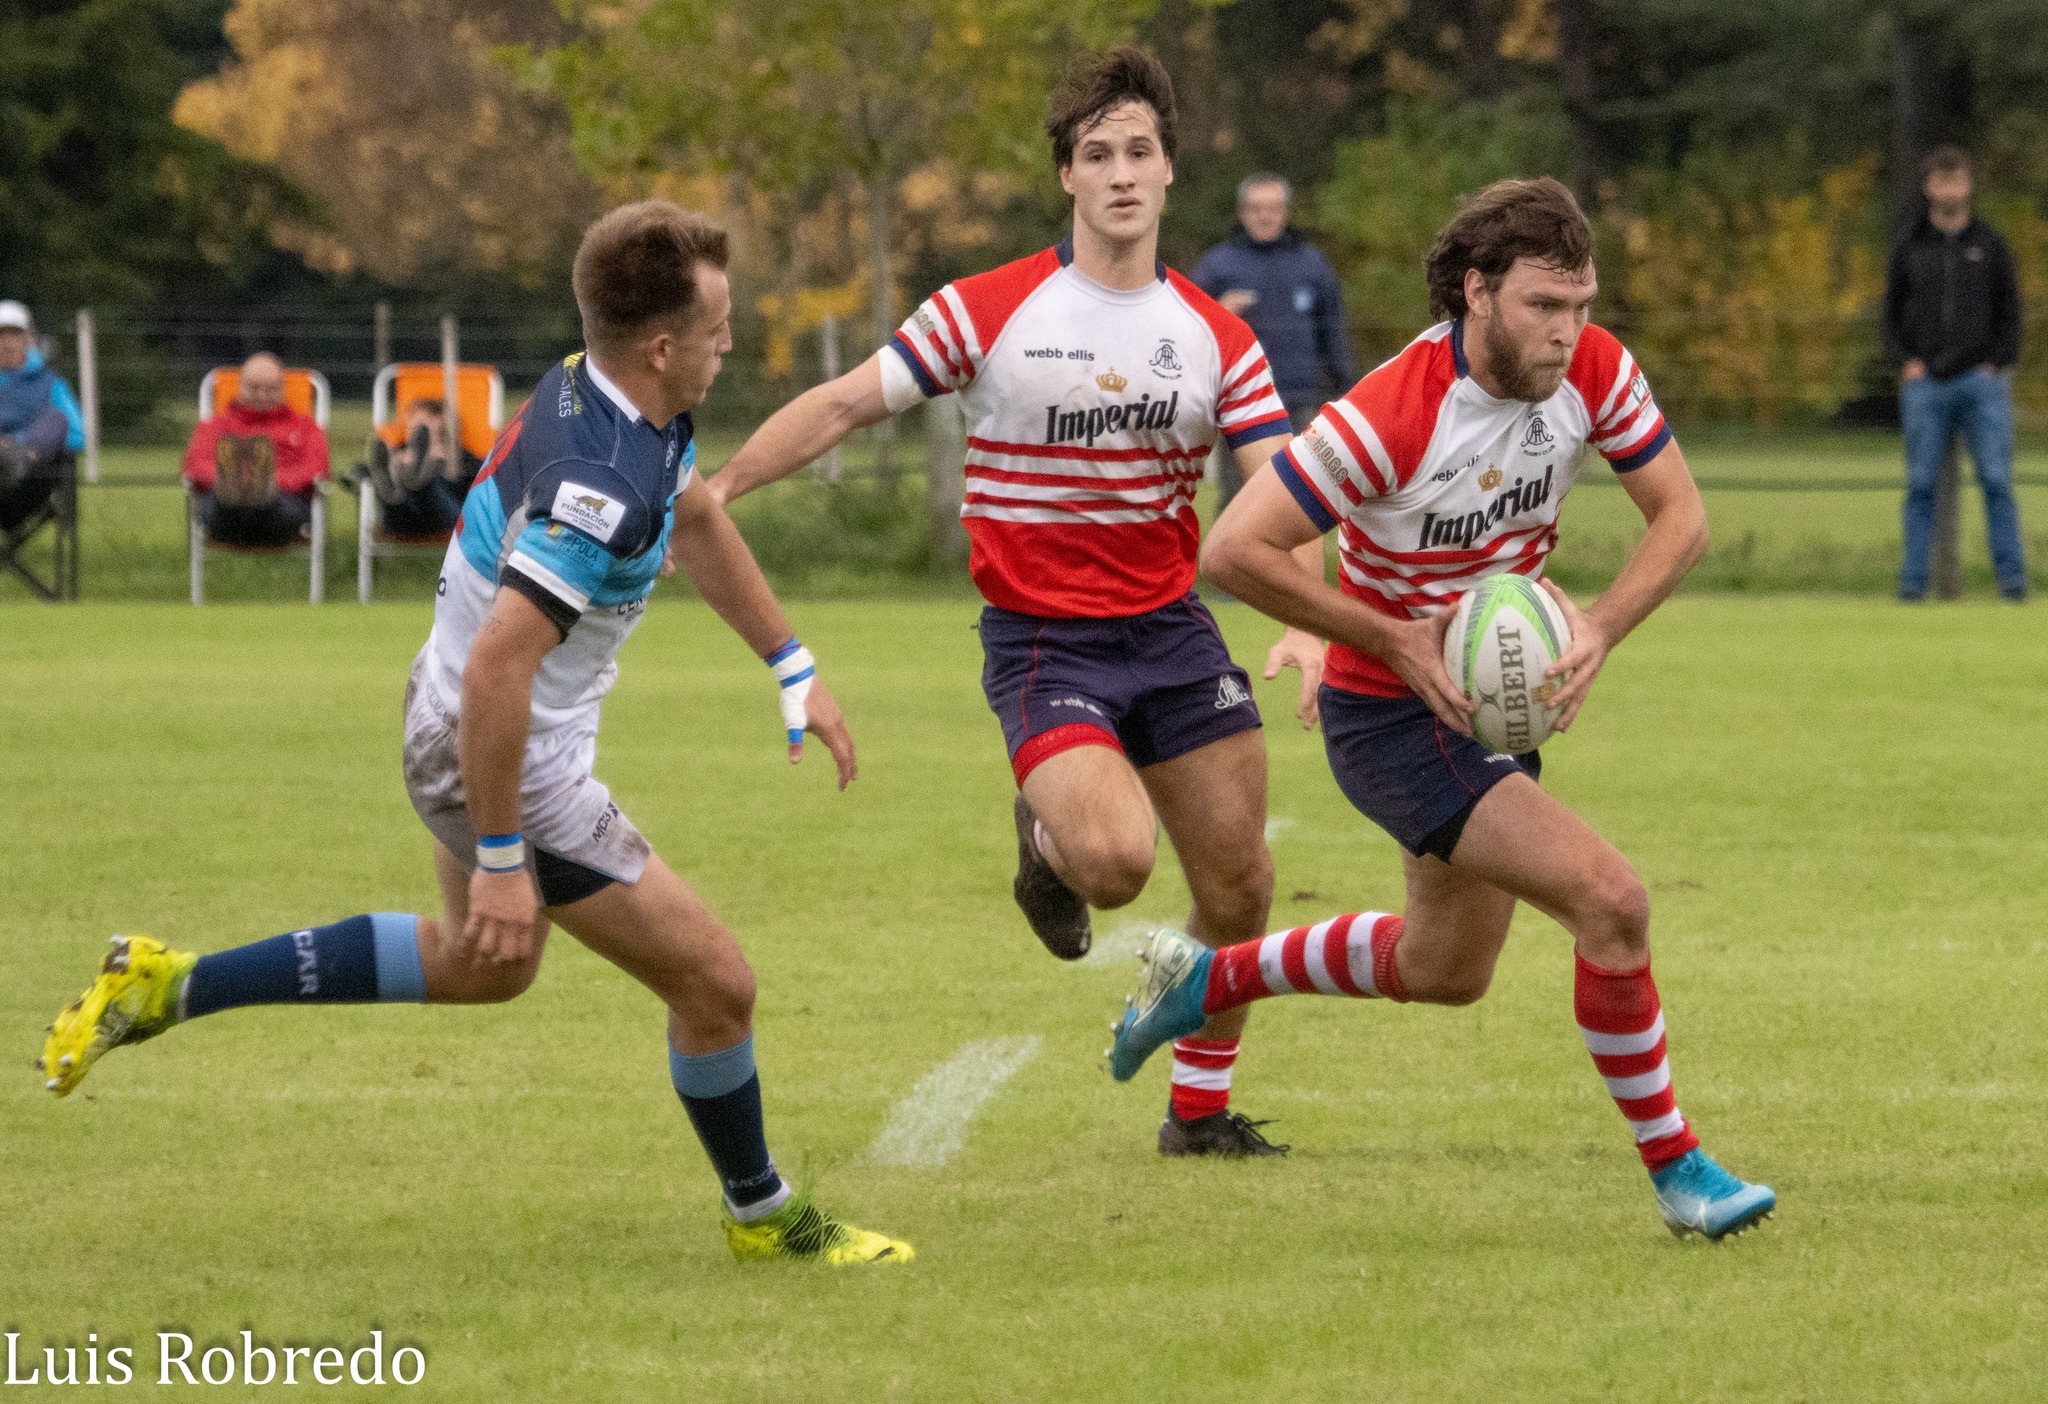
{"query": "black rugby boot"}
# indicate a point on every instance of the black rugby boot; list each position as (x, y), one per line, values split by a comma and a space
(1056, 913)
(1226, 1133)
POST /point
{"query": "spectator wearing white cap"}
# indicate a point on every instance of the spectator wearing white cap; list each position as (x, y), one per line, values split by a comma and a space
(40, 424)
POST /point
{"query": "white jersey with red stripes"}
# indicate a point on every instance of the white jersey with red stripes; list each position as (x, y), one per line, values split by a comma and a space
(1435, 484)
(1090, 412)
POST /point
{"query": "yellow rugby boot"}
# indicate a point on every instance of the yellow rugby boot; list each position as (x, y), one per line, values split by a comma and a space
(799, 1229)
(134, 998)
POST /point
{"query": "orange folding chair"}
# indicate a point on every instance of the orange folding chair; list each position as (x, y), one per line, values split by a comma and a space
(306, 392)
(479, 414)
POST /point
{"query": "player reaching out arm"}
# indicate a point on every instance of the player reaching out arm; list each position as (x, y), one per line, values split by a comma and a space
(1094, 382)
(1442, 467)
(559, 546)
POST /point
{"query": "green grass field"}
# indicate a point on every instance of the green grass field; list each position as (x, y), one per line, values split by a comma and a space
(1816, 512)
(1835, 804)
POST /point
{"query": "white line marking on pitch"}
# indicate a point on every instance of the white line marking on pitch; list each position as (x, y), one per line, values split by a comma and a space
(1277, 827)
(926, 1128)
(1120, 944)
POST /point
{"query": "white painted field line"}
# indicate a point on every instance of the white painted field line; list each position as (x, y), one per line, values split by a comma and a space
(926, 1128)
(1276, 827)
(1120, 944)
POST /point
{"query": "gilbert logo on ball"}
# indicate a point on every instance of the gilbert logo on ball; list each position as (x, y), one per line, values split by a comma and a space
(1505, 632)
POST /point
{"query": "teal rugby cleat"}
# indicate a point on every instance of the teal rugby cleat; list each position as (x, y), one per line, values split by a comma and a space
(1698, 1196)
(1168, 1006)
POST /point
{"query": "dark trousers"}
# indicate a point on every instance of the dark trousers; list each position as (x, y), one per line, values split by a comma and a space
(282, 521)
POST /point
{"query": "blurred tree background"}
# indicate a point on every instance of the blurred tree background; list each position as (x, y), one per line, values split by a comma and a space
(1747, 161)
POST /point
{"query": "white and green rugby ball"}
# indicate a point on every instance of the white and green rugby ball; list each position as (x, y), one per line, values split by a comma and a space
(1505, 632)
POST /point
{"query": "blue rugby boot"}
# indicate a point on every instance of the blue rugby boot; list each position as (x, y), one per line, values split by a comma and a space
(1167, 1007)
(1698, 1196)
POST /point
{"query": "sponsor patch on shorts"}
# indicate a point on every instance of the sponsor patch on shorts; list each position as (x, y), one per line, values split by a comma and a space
(595, 514)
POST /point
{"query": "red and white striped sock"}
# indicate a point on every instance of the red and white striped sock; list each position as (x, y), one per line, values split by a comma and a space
(1623, 1026)
(1347, 955)
(1201, 1075)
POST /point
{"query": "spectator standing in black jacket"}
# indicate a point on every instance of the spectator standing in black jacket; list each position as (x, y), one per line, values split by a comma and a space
(1283, 286)
(1952, 324)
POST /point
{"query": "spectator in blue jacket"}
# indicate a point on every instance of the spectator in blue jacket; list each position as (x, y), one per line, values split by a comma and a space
(40, 426)
(1280, 283)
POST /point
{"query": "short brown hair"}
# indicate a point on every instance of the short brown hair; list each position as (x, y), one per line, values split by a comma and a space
(1097, 81)
(1509, 219)
(638, 265)
(1944, 160)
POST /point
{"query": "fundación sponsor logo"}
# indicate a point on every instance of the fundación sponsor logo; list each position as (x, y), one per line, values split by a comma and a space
(1462, 529)
(181, 1360)
(588, 510)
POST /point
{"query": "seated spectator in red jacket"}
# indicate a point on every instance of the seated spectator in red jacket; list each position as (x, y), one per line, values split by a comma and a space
(255, 465)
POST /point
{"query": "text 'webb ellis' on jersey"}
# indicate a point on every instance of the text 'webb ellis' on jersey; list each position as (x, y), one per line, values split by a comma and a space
(1090, 413)
(572, 509)
(1434, 484)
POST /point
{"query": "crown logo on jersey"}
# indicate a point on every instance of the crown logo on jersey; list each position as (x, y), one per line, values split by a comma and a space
(1111, 381)
(1490, 479)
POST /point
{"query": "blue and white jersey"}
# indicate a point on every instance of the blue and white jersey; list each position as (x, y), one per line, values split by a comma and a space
(573, 510)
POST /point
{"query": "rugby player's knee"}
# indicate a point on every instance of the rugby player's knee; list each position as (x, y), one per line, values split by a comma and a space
(1237, 899)
(1616, 917)
(1108, 870)
(488, 982)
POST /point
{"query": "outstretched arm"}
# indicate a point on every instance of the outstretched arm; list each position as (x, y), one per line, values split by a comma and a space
(1251, 553)
(707, 545)
(803, 429)
(497, 704)
(1664, 492)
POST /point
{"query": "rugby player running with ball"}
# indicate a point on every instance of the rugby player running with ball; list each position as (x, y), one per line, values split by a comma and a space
(1094, 382)
(559, 546)
(1442, 467)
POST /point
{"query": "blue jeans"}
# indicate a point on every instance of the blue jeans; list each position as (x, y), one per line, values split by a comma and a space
(1979, 403)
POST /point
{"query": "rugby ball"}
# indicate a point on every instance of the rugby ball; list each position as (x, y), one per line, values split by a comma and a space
(1505, 632)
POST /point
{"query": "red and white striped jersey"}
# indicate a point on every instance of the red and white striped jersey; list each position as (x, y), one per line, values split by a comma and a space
(1435, 485)
(1090, 412)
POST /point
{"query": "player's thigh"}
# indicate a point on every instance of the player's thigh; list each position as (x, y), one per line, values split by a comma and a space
(1091, 800)
(1529, 843)
(1212, 802)
(1455, 924)
(662, 934)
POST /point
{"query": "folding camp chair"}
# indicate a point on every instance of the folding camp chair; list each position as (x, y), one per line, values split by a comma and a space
(479, 414)
(59, 512)
(304, 391)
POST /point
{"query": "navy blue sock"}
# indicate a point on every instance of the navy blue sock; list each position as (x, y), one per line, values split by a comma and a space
(722, 1093)
(363, 960)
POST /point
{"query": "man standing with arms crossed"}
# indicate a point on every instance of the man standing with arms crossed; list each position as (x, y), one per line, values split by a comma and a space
(559, 546)
(1440, 468)
(1094, 382)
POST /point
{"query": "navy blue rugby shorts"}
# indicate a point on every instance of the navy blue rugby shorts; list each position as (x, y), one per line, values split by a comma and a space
(1406, 771)
(1153, 686)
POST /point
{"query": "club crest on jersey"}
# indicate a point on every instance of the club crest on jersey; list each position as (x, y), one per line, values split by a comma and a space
(1537, 439)
(1165, 362)
(1462, 529)
(588, 510)
(1064, 426)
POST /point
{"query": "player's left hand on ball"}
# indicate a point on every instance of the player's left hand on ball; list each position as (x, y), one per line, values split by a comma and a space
(825, 721)
(1300, 649)
(668, 562)
(1580, 663)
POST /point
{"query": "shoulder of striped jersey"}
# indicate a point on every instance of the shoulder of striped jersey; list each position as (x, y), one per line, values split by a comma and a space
(991, 298)
(1402, 397)
(1600, 366)
(1233, 334)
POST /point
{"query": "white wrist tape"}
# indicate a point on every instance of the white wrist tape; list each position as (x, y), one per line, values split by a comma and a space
(794, 668)
(501, 853)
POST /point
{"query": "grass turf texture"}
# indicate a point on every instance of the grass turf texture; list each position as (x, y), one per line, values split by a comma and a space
(1832, 803)
(1812, 513)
